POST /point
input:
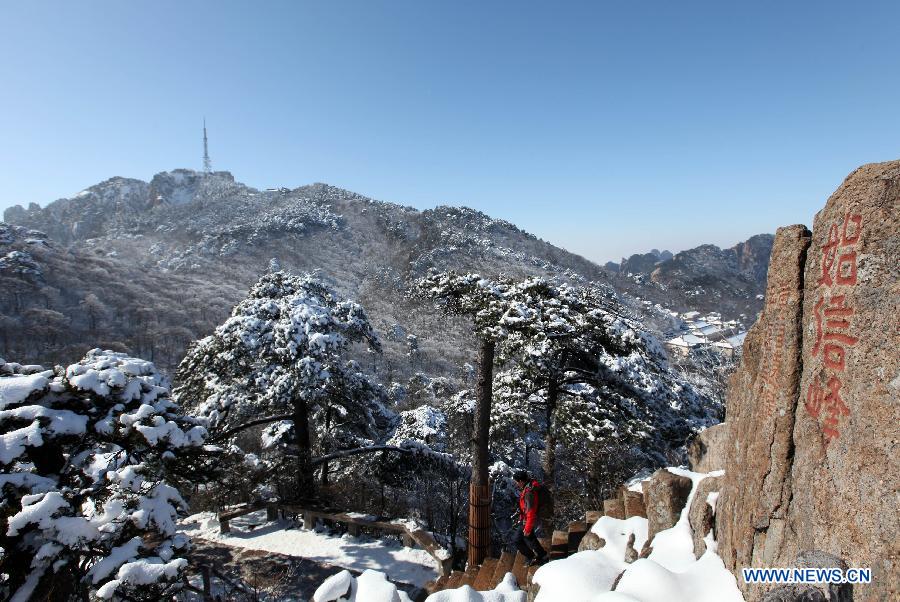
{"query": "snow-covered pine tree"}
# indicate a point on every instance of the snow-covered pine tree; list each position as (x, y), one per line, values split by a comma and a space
(483, 301)
(557, 346)
(281, 359)
(574, 368)
(85, 452)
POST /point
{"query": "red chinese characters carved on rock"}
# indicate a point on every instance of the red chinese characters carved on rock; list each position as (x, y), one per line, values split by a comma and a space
(830, 397)
(833, 318)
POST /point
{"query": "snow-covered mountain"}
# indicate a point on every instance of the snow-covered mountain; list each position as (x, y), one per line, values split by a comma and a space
(149, 267)
(162, 262)
(729, 281)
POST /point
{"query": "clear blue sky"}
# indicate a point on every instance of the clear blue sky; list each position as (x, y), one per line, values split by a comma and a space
(604, 127)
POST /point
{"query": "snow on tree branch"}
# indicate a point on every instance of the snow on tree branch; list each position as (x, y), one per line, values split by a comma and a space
(83, 454)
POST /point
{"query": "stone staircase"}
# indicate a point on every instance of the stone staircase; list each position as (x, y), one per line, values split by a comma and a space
(492, 571)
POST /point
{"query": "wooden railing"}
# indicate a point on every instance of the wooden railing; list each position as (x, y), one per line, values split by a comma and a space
(410, 534)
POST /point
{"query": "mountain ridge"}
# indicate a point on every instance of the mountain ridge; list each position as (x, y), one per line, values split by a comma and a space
(219, 235)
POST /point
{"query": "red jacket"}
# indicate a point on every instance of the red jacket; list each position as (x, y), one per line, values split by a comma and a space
(528, 507)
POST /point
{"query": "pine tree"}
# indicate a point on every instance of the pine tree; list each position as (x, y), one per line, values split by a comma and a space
(85, 455)
(281, 360)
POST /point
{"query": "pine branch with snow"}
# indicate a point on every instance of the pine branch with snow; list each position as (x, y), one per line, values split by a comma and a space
(84, 454)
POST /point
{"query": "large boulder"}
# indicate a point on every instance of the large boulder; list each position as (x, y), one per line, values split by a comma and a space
(701, 513)
(706, 452)
(665, 494)
(813, 411)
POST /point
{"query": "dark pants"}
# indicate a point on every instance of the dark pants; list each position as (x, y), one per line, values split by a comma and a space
(529, 545)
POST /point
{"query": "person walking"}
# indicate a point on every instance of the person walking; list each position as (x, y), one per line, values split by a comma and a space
(530, 520)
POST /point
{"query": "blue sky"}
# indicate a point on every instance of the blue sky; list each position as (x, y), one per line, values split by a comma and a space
(607, 128)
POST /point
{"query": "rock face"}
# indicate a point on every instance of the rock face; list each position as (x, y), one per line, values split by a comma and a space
(706, 452)
(665, 495)
(701, 514)
(762, 398)
(813, 411)
(823, 592)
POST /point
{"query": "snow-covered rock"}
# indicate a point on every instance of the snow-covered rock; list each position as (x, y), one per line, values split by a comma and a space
(671, 573)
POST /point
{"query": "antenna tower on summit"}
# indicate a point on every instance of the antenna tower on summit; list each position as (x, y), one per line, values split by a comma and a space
(207, 164)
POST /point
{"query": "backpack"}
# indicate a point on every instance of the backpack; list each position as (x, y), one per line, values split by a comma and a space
(544, 499)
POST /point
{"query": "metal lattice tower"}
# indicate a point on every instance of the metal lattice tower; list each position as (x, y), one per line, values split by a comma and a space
(207, 164)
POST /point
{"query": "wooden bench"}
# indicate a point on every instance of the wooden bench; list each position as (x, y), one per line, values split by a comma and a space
(226, 515)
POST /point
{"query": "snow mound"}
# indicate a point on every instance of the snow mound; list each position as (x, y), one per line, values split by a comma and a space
(371, 586)
(505, 592)
(669, 574)
(706, 580)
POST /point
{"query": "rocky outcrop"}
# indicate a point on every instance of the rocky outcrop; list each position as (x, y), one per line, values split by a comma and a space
(701, 514)
(813, 411)
(706, 452)
(665, 495)
(753, 255)
(760, 414)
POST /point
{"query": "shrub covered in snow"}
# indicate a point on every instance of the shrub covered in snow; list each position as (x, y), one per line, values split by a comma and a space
(84, 454)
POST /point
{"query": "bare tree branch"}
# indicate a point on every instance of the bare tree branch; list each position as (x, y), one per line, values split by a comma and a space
(232, 431)
(357, 451)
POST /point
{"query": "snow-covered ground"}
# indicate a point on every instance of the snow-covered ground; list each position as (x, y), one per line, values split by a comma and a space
(669, 574)
(401, 564)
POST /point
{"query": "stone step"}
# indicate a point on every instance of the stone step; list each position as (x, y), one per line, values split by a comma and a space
(559, 545)
(592, 516)
(614, 507)
(469, 576)
(485, 576)
(633, 503)
(455, 578)
(547, 544)
(577, 531)
(504, 566)
(437, 585)
(520, 570)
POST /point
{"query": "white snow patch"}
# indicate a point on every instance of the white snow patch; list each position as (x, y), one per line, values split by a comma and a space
(506, 591)
(402, 564)
(371, 586)
(669, 574)
(15, 389)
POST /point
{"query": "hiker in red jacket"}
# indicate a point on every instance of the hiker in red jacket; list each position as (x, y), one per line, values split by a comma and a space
(529, 517)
